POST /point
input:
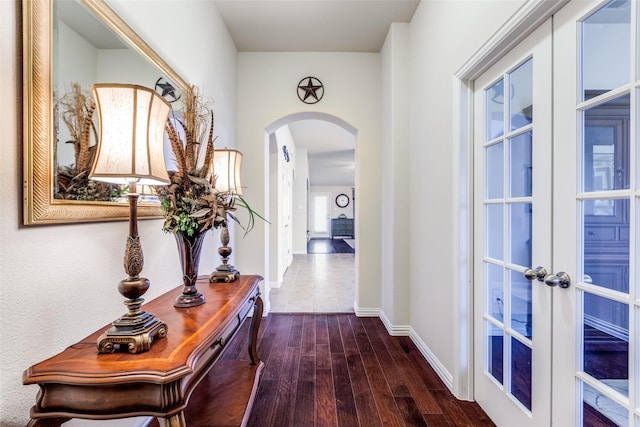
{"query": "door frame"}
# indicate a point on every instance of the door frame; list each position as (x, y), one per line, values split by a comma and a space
(522, 23)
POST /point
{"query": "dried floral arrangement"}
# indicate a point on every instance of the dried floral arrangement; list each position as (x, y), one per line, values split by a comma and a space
(191, 204)
(72, 181)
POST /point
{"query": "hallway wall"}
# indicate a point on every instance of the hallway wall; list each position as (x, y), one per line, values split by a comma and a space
(267, 92)
(443, 35)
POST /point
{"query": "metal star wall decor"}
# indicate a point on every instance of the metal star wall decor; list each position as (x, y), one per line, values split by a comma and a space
(310, 90)
(166, 90)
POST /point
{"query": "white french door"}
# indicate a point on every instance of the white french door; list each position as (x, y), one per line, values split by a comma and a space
(512, 211)
(595, 323)
(561, 349)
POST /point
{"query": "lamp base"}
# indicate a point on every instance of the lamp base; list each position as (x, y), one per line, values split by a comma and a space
(136, 330)
(224, 273)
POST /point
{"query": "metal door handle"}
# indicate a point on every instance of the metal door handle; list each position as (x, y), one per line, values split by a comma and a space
(561, 279)
(539, 273)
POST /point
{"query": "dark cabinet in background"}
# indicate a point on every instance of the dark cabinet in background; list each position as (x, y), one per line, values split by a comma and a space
(342, 227)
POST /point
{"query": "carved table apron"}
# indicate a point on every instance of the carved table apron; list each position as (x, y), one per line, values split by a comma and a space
(80, 383)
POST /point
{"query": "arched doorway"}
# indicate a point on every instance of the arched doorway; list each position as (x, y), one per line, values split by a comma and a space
(309, 153)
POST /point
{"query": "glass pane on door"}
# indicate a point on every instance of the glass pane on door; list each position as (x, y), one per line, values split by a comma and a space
(521, 96)
(605, 252)
(606, 39)
(605, 353)
(606, 145)
(596, 404)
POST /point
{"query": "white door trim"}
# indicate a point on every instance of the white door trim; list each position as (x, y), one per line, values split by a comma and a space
(526, 19)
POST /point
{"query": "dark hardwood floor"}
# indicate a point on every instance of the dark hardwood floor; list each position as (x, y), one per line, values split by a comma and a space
(328, 246)
(342, 370)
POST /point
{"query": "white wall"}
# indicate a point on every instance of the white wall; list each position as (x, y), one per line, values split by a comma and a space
(395, 185)
(351, 83)
(77, 60)
(76, 63)
(443, 35)
(58, 282)
(333, 190)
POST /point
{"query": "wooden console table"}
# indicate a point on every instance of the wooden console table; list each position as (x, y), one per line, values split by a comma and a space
(80, 383)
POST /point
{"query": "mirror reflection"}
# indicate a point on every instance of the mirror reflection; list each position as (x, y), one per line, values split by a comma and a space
(85, 51)
(67, 46)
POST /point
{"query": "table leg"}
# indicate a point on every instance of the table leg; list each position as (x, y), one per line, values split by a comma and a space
(176, 420)
(255, 325)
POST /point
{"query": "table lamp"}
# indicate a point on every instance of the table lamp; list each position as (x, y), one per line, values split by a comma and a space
(130, 152)
(226, 176)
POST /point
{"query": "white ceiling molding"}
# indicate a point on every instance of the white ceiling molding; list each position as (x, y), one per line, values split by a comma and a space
(526, 19)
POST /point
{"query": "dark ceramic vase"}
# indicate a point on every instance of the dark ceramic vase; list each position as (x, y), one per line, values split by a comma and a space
(189, 249)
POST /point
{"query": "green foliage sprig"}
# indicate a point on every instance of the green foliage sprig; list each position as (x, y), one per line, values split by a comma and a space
(251, 221)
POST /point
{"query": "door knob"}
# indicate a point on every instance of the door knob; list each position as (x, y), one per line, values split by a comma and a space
(561, 279)
(539, 273)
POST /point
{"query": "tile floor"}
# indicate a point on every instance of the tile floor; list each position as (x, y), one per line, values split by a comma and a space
(316, 283)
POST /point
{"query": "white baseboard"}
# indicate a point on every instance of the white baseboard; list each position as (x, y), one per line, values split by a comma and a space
(366, 312)
(437, 366)
(395, 330)
(404, 331)
(274, 285)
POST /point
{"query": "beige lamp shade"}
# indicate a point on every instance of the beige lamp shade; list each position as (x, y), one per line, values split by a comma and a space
(226, 171)
(131, 136)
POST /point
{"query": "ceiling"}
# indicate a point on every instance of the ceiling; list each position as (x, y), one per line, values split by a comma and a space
(316, 26)
(330, 150)
(312, 25)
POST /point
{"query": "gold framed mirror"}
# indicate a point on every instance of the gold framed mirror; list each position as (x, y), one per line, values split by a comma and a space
(43, 145)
